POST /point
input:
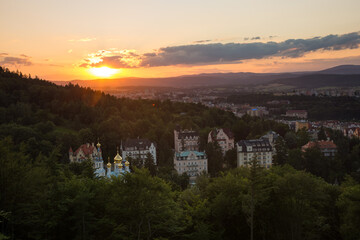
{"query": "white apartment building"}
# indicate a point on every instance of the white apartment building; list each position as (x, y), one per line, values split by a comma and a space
(190, 162)
(258, 148)
(138, 148)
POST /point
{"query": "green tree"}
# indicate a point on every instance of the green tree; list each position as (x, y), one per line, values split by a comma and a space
(300, 204)
(322, 134)
(291, 140)
(295, 159)
(281, 154)
(230, 158)
(349, 204)
(86, 135)
(149, 164)
(215, 158)
(254, 193)
(302, 137)
(150, 210)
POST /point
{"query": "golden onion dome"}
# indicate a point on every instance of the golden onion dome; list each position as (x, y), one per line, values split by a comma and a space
(117, 158)
(98, 145)
(127, 163)
(108, 164)
(120, 165)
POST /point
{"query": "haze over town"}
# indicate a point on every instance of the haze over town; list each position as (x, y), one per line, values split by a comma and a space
(89, 39)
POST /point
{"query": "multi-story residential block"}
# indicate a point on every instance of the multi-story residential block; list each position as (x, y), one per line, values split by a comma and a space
(224, 137)
(260, 149)
(327, 148)
(190, 162)
(352, 132)
(296, 113)
(257, 111)
(301, 125)
(186, 140)
(138, 148)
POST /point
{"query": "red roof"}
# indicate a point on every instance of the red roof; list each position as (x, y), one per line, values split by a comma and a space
(70, 150)
(320, 144)
(86, 148)
(227, 131)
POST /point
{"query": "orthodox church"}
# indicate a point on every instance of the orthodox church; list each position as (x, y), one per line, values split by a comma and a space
(94, 153)
(120, 166)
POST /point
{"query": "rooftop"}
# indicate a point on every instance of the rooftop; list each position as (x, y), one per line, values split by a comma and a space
(320, 144)
(140, 144)
(187, 153)
(255, 143)
(86, 148)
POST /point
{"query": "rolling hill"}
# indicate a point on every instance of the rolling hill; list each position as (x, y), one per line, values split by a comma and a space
(320, 81)
(339, 76)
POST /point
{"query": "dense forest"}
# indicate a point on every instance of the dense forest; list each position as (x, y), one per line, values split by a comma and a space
(43, 196)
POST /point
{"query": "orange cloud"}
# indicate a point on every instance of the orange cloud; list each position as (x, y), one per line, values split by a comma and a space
(112, 58)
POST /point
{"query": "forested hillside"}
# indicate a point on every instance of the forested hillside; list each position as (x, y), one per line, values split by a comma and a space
(46, 116)
(321, 80)
(42, 196)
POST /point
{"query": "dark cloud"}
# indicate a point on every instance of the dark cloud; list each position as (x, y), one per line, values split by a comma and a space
(203, 41)
(16, 61)
(252, 38)
(214, 53)
(149, 55)
(23, 55)
(3, 54)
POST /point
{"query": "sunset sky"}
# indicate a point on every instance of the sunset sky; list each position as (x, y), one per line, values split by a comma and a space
(88, 39)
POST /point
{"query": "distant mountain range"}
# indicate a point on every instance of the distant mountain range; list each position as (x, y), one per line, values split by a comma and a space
(320, 81)
(339, 76)
(342, 69)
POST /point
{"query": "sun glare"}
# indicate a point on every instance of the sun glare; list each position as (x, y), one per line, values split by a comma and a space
(103, 71)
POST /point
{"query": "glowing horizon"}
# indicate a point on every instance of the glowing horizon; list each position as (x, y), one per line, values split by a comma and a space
(57, 40)
(104, 72)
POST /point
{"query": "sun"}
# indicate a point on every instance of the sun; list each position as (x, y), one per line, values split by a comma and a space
(103, 71)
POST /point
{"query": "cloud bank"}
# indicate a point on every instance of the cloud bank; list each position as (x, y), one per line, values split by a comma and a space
(222, 53)
(16, 61)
